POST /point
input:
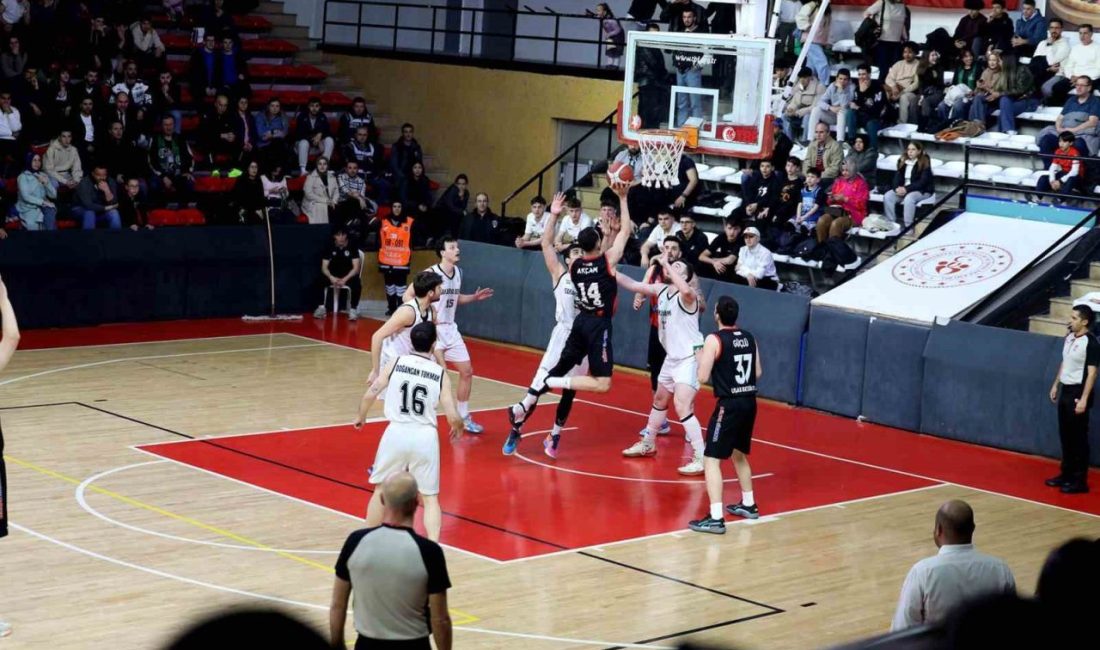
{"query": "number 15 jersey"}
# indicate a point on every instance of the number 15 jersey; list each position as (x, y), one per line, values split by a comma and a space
(412, 394)
(734, 373)
(597, 290)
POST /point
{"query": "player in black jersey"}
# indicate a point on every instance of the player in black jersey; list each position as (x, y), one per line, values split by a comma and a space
(731, 359)
(593, 275)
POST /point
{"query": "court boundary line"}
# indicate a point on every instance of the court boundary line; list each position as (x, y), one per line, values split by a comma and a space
(197, 338)
(704, 628)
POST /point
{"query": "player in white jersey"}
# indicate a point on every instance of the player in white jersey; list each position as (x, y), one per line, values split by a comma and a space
(415, 385)
(565, 310)
(392, 339)
(678, 323)
(450, 341)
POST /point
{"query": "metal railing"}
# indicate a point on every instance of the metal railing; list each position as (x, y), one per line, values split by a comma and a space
(520, 35)
(555, 165)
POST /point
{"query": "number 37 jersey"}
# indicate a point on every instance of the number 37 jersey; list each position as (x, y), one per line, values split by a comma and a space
(597, 290)
(734, 373)
(412, 394)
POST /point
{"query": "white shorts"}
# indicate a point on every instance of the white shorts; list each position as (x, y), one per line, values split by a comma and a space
(679, 371)
(450, 343)
(410, 448)
(552, 355)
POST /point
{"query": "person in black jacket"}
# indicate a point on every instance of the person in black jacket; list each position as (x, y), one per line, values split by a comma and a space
(642, 10)
(218, 135)
(480, 224)
(171, 163)
(246, 199)
(762, 189)
(913, 183)
(673, 14)
(452, 207)
(233, 68)
(132, 207)
(405, 152)
(372, 163)
(312, 134)
(121, 157)
(652, 77)
(205, 71)
(416, 196)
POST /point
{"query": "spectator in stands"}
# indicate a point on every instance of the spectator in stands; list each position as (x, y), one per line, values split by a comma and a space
(244, 127)
(614, 37)
(321, 193)
(1049, 55)
(1030, 30)
(96, 200)
(11, 128)
(850, 192)
(653, 86)
(14, 60)
(30, 95)
(165, 98)
(122, 158)
(673, 14)
(957, 99)
(233, 68)
(1065, 168)
(36, 207)
(631, 156)
(171, 163)
(405, 152)
(272, 129)
(15, 14)
(480, 224)
(132, 84)
(811, 204)
(893, 17)
(824, 154)
(174, 10)
(689, 68)
(85, 129)
(534, 225)
(353, 208)
(761, 189)
(1080, 116)
(246, 199)
(90, 87)
(216, 19)
(806, 94)
(642, 10)
(786, 205)
(755, 264)
(125, 113)
(204, 69)
(998, 29)
(968, 33)
(570, 227)
(665, 228)
(416, 195)
(989, 90)
(719, 260)
(312, 134)
(903, 83)
(815, 49)
(452, 206)
(147, 46)
(682, 195)
(932, 84)
(1083, 61)
(692, 240)
(102, 45)
(372, 162)
(358, 116)
(58, 98)
(1067, 582)
(868, 104)
(937, 585)
(912, 183)
(218, 135)
(132, 208)
(863, 156)
(62, 162)
(1016, 96)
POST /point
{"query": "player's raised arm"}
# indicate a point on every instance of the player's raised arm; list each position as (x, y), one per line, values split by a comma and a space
(711, 348)
(630, 284)
(10, 327)
(549, 253)
(401, 319)
(615, 253)
(447, 401)
(376, 388)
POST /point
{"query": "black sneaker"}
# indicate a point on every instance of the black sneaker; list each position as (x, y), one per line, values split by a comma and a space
(739, 510)
(1075, 487)
(1056, 481)
(708, 525)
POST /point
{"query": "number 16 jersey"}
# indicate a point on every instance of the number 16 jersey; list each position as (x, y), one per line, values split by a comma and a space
(412, 394)
(597, 290)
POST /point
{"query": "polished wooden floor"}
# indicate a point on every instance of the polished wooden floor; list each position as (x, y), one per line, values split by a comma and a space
(113, 547)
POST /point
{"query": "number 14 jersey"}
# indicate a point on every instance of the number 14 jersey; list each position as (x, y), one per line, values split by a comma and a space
(597, 290)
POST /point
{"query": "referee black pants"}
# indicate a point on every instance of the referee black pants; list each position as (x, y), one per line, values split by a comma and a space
(1073, 429)
(655, 358)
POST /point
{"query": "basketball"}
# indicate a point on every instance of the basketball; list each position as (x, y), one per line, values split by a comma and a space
(620, 173)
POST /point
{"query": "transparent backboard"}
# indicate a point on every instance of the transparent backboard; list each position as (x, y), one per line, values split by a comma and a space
(724, 80)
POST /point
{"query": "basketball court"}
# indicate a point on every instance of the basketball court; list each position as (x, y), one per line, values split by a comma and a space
(163, 471)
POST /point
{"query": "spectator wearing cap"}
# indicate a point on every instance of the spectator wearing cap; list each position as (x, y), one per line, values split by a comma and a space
(312, 134)
(903, 84)
(755, 264)
(1030, 29)
(692, 240)
(968, 33)
(719, 260)
(806, 93)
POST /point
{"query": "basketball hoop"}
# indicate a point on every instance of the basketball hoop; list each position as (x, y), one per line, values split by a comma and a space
(661, 150)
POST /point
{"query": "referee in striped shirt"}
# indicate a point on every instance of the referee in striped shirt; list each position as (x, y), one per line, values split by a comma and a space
(1076, 376)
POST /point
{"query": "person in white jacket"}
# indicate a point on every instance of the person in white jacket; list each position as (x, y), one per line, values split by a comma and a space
(11, 125)
(755, 263)
(321, 192)
(62, 161)
(1083, 61)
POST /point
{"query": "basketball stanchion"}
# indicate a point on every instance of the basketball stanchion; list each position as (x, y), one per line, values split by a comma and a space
(272, 314)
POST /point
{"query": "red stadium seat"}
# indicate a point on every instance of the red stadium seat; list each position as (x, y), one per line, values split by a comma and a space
(296, 184)
(266, 72)
(182, 217)
(213, 184)
(252, 23)
(67, 224)
(267, 47)
(303, 218)
(191, 123)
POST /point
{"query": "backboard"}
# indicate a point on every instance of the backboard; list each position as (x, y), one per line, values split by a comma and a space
(724, 79)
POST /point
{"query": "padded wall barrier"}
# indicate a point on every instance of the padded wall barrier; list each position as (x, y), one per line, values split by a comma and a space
(505, 271)
(893, 371)
(832, 370)
(631, 327)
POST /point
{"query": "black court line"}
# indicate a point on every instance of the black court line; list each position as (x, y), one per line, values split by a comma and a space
(703, 628)
(35, 406)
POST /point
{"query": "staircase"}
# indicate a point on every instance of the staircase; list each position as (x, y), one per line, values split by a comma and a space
(1054, 322)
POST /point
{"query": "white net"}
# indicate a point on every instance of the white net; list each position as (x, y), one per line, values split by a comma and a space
(661, 151)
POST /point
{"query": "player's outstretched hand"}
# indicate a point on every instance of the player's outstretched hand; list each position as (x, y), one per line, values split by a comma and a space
(557, 204)
(620, 189)
(639, 299)
(456, 433)
(483, 294)
(358, 423)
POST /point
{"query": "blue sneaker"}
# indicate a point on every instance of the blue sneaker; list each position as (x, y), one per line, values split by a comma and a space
(473, 427)
(662, 431)
(511, 443)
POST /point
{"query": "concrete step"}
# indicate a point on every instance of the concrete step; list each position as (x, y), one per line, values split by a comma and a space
(290, 32)
(1079, 288)
(1061, 307)
(1094, 271)
(1047, 325)
(278, 18)
(270, 7)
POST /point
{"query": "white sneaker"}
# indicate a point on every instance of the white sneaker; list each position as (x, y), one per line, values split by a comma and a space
(5, 629)
(640, 449)
(1010, 133)
(320, 312)
(694, 468)
(353, 314)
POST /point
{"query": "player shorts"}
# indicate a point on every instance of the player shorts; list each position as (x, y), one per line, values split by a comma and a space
(550, 358)
(590, 339)
(450, 342)
(410, 448)
(730, 427)
(679, 371)
(3, 490)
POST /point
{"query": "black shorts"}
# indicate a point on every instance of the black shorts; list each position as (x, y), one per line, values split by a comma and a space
(3, 490)
(730, 427)
(365, 643)
(591, 338)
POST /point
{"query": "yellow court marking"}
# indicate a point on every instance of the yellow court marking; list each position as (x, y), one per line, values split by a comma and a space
(463, 617)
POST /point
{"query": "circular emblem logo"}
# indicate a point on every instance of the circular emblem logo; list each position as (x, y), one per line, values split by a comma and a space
(954, 265)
